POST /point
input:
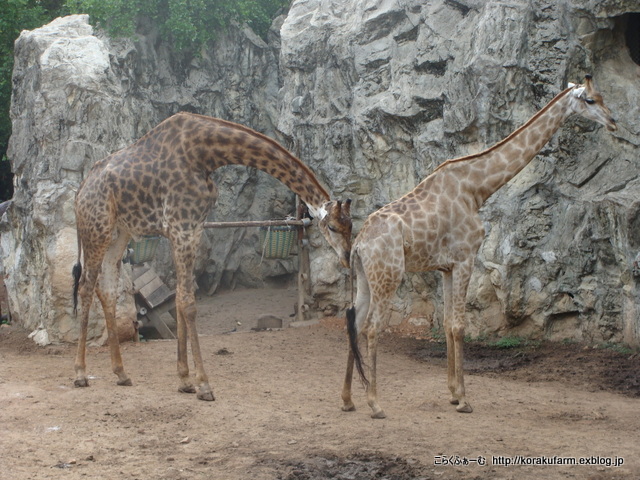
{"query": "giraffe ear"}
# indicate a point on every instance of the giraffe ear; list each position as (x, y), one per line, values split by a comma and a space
(346, 208)
(578, 91)
(589, 83)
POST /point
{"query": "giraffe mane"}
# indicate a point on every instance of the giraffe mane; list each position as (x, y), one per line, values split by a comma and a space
(270, 140)
(511, 135)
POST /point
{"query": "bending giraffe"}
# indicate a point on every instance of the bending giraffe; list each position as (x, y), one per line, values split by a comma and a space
(436, 226)
(161, 185)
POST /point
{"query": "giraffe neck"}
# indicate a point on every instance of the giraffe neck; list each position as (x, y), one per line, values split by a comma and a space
(489, 170)
(209, 143)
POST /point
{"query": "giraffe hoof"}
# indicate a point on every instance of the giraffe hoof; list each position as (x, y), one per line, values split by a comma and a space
(187, 389)
(81, 382)
(349, 408)
(125, 383)
(464, 408)
(379, 414)
(206, 395)
(454, 401)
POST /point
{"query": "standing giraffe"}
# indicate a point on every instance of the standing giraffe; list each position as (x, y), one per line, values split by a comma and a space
(436, 226)
(161, 185)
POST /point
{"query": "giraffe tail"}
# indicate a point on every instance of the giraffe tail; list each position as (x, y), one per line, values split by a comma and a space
(76, 272)
(352, 330)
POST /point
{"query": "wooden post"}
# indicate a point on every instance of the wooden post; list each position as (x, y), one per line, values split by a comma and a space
(303, 249)
(303, 264)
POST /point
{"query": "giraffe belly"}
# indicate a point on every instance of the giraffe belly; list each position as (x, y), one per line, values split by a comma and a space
(419, 257)
(421, 263)
(140, 224)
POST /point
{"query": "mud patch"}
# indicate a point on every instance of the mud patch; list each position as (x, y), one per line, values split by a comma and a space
(589, 367)
(354, 467)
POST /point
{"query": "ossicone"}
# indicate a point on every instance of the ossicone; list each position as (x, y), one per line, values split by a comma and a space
(346, 209)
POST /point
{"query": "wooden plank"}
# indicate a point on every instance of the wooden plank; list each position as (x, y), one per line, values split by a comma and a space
(154, 284)
(168, 306)
(152, 289)
(139, 269)
(156, 321)
(143, 280)
(159, 296)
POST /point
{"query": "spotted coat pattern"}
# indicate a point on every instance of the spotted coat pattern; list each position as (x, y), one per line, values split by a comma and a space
(161, 185)
(436, 226)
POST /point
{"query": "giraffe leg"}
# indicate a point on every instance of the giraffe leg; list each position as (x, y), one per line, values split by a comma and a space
(383, 278)
(455, 288)
(451, 359)
(458, 336)
(362, 309)
(87, 287)
(189, 314)
(347, 402)
(184, 248)
(186, 386)
(380, 312)
(372, 391)
(107, 290)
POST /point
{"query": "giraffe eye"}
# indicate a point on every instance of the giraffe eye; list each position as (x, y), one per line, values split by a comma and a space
(590, 101)
(332, 228)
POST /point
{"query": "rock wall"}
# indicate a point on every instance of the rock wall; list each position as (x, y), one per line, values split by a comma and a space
(383, 91)
(373, 95)
(79, 96)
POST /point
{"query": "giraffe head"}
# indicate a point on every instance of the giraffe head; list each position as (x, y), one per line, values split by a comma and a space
(589, 104)
(335, 225)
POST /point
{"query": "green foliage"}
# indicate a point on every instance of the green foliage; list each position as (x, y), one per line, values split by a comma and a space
(118, 16)
(16, 15)
(188, 24)
(508, 342)
(618, 348)
(437, 334)
(513, 342)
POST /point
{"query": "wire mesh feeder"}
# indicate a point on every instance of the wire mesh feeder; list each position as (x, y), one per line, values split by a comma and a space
(143, 250)
(276, 241)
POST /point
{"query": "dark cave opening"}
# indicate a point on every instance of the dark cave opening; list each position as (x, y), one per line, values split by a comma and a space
(632, 36)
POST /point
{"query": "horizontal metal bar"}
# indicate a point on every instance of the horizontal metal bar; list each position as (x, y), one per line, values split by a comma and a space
(305, 222)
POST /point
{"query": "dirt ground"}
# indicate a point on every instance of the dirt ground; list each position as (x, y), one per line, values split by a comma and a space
(277, 410)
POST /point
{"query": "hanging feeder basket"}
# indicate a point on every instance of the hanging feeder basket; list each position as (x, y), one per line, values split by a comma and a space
(276, 241)
(143, 250)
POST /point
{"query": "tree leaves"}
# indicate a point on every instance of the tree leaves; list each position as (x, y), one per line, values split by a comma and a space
(188, 24)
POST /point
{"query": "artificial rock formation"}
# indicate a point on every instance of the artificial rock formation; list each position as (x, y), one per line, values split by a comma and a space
(373, 95)
(384, 91)
(78, 97)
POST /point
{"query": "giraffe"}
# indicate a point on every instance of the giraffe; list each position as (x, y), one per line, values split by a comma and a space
(161, 185)
(436, 226)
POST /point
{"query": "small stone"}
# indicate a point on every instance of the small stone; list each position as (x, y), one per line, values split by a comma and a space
(267, 321)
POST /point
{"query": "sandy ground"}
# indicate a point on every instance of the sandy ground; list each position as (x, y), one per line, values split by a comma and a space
(277, 410)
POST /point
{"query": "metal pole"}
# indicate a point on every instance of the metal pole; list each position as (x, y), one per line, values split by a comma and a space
(305, 222)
